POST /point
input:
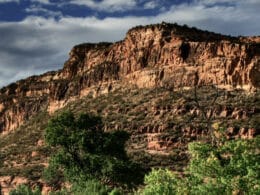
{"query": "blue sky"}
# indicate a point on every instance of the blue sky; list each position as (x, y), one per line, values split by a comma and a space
(36, 35)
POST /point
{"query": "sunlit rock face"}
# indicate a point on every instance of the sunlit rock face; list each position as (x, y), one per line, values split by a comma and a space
(149, 56)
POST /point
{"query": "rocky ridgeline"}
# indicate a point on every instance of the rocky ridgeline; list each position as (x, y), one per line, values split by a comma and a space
(149, 56)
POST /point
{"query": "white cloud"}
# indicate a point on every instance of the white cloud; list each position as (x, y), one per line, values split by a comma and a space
(237, 17)
(151, 4)
(107, 5)
(41, 1)
(37, 9)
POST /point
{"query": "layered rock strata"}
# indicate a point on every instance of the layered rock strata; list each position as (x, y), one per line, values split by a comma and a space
(149, 56)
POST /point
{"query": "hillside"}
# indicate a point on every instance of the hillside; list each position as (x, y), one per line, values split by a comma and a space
(143, 84)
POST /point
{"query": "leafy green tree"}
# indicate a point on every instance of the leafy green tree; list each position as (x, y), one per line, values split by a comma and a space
(86, 152)
(231, 168)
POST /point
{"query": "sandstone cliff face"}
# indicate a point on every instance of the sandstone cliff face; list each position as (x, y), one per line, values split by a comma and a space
(22, 99)
(150, 56)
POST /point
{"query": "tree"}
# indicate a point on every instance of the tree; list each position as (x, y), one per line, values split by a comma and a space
(206, 103)
(232, 168)
(203, 97)
(86, 152)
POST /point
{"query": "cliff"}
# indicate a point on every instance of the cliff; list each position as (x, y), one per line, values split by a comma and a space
(142, 84)
(149, 56)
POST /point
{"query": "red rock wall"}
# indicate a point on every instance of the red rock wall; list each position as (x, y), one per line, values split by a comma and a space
(149, 56)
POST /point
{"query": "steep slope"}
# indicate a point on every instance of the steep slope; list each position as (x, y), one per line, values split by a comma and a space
(149, 56)
(143, 84)
(161, 123)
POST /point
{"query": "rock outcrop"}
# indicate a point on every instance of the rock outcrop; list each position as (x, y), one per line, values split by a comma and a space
(149, 56)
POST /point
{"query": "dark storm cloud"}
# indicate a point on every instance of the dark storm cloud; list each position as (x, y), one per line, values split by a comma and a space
(25, 50)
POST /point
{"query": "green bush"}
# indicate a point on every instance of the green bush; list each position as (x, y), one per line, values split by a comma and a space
(115, 192)
(161, 181)
(92, 187)
(88, 187)
(25, 190)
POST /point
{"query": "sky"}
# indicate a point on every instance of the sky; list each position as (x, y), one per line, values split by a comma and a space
(37, 35)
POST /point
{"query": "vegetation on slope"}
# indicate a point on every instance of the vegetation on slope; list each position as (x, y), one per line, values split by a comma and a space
(230, 168)
(158, 112)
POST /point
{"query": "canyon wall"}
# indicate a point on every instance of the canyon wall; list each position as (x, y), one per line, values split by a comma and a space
(149, 56)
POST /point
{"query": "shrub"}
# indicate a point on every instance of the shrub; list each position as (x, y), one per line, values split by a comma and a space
(92, 187)
(25, 190)
(161, 181)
